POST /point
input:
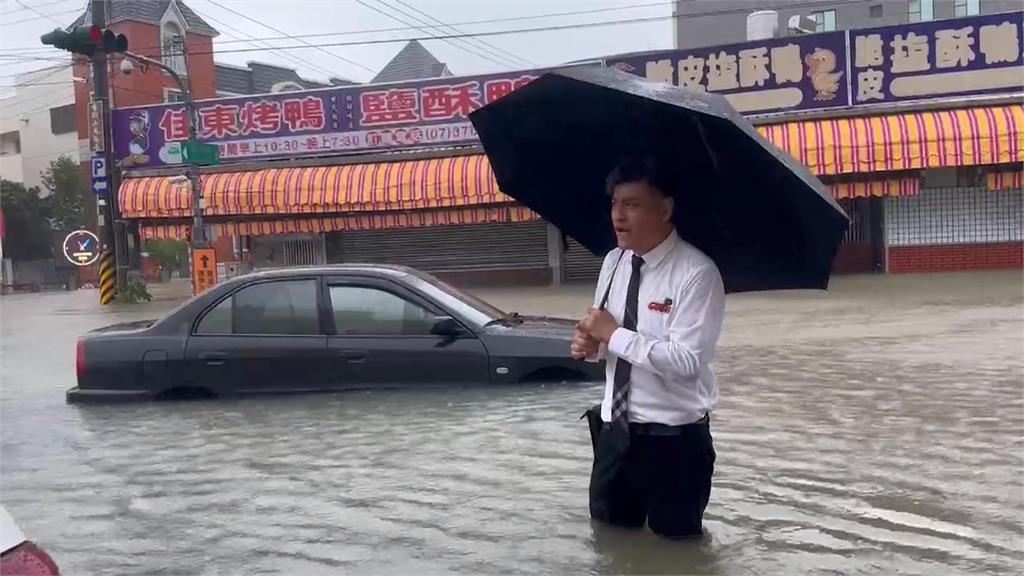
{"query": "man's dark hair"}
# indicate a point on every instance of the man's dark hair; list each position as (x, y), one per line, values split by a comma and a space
(640, 169)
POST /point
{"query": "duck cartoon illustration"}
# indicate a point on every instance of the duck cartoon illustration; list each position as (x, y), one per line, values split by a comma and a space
(820, 69)
(138, 146)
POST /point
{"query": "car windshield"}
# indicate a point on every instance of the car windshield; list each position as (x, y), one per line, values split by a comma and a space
(466, 305)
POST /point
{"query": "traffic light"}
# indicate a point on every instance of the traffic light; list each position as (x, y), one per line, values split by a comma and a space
(86, 40)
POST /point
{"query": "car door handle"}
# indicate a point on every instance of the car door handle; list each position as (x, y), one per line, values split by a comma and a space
(353, 356)
(214, 358)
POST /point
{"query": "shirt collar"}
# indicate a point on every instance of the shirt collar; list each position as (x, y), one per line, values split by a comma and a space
(659, 252)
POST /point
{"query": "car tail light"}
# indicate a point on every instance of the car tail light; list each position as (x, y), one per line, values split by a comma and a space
(28, 560)
(80, 360)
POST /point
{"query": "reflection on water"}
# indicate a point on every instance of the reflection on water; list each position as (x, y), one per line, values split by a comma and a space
(879, 454)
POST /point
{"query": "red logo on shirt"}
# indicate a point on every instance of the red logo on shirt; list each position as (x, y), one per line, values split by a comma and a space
(663, 307)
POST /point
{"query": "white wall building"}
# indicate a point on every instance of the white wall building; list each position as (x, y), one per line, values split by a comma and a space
(37, 125)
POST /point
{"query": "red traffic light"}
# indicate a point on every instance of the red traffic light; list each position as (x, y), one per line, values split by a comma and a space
(86, 40)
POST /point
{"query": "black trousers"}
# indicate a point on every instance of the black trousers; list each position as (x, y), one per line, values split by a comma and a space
(659, 474)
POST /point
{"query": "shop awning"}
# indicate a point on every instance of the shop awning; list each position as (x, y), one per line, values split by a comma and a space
(933, 139)
(406, 185)
(870, 146)
(366, 221)
(1005, 180)
(907, 186)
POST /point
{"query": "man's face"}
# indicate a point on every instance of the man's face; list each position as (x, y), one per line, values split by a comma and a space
(641, 216)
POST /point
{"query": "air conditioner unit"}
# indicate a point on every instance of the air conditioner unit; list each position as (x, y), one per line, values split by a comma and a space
(799, 24)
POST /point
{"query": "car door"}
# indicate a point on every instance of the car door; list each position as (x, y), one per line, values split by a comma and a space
(265, 337)
(381, 335)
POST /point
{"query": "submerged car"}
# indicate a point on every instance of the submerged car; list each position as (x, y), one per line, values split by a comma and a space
(326, 328)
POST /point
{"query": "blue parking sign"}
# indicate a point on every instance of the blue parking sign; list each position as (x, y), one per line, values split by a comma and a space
(100, 180)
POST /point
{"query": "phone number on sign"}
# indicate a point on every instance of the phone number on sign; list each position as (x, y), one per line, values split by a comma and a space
(367, 139)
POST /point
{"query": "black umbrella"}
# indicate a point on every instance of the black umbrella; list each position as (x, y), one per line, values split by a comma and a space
(766, 221)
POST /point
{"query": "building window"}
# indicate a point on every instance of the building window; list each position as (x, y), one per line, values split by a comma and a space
(10, 143)
(173, 52)
(966, 7)
(920, 10)
(173, 95)
(875, 11)
(62, 119)
(825, 20)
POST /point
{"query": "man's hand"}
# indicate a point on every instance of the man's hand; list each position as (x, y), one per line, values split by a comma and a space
(599, 324)
(583, 346)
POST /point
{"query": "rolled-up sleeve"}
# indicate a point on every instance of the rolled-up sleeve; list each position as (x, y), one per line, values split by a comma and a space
(694, 326)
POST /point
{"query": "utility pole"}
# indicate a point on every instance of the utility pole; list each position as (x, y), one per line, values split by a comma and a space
(96, 42)
(111, 229)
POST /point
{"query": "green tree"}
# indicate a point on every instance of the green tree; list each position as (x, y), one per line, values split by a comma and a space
(26, 220)
(69, 200)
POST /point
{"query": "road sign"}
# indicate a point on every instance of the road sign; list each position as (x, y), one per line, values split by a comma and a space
(204, 269)
(97, 143)
(81, 248)
(100, 180)
(200, 153)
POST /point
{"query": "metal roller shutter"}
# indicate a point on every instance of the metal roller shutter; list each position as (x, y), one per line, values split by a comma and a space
(579, 264)
(458, 248)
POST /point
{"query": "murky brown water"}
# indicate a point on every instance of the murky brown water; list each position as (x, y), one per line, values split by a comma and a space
(878, 429)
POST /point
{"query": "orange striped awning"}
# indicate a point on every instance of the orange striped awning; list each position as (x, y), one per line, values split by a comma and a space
(405, 185)
(908, 186)
(364, 221)
(829, 147)
(1005, 180)
(964, 137)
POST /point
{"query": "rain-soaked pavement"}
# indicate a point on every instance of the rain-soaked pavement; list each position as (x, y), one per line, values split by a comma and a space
(876, 429)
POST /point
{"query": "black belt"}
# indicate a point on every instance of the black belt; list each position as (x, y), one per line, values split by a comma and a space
(656, 429)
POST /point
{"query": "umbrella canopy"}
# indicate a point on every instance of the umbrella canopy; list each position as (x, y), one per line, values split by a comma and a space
(766, 221)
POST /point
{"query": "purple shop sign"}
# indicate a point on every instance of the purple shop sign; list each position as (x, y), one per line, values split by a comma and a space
(938, 59)
(321, 122)
(759, 77)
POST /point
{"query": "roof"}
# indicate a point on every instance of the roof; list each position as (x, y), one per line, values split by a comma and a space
(260, 78)
(148, 11)
(413, 62)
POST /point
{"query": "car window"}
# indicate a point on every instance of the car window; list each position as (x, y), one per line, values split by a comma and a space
(286, 307)
(217, 320)
(359, 310)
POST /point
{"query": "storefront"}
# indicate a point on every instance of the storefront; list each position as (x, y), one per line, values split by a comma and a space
(395, 175)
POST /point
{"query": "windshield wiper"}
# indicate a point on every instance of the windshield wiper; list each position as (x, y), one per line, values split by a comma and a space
(506, 320)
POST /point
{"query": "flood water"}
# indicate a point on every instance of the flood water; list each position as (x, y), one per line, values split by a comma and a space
(872, 430)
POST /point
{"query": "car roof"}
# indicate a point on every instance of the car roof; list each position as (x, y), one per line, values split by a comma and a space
(379, 270)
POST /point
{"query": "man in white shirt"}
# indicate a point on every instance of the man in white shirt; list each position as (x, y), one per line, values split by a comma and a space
(657, 314)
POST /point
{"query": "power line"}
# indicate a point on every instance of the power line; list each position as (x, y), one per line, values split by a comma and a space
(433, 36)
(269, 27)
(31, 9)
(483, 43)
(463, 44)
(22, 9)
(55, 67)
(30, 49)
(264, 45)
(522, 18)
(48, 104)
(467, 35)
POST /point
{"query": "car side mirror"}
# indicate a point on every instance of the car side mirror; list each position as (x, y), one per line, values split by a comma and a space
(447, 326)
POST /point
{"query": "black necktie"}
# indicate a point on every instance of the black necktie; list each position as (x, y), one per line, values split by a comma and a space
(623, 369)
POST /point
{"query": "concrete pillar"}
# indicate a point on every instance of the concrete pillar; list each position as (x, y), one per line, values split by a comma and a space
(555, 254)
